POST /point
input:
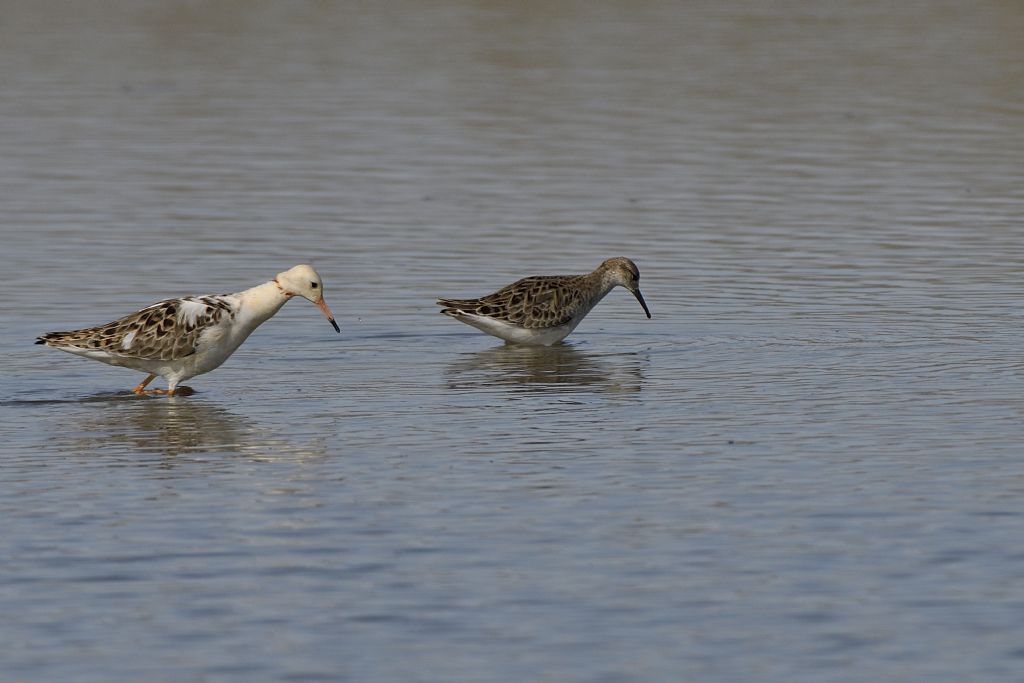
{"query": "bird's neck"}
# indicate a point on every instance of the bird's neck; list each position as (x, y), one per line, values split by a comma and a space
(599, 284)
(261, 302)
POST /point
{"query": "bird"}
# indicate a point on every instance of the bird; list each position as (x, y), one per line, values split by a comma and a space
(543, 310)
(180, 338)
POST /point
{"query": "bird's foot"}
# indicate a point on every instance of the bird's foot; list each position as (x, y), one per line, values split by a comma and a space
(140, 388)
(179, 391)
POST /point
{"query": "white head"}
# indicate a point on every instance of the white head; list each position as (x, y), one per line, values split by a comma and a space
(623, 272)
(303, 281)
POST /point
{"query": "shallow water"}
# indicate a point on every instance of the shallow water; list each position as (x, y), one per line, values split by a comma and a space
(807, 466)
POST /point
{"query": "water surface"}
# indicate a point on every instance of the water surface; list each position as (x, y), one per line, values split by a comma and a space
(806, 467)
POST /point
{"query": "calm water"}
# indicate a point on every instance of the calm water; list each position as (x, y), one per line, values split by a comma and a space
(807, 467)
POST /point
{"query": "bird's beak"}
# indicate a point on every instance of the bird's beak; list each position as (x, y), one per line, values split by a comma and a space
(640, 298)
(322, 305)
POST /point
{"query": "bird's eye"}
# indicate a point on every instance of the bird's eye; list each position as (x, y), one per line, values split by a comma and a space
(313, 285)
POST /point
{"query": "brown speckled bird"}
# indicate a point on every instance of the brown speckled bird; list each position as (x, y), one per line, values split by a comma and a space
(543, 310)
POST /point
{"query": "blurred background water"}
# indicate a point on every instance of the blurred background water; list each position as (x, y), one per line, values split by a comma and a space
(806, 467)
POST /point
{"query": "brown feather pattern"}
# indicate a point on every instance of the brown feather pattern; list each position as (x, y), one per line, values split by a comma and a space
(534, 302)
(160, 331)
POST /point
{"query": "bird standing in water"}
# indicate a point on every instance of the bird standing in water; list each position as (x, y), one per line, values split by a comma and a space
(543, 310)
(180, 338)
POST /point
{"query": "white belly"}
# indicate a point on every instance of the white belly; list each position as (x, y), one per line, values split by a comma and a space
(520, 335)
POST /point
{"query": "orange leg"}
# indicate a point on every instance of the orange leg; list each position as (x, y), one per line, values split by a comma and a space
(141, 388)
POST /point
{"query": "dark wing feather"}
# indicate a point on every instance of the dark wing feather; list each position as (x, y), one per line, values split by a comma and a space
(533, 302)
(157, 332)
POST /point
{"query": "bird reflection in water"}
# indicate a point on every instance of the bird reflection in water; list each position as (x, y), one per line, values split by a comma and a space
(177, 430)
(561, 367)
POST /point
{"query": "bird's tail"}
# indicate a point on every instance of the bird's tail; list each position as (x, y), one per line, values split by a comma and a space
(453, 307)
(55, 338)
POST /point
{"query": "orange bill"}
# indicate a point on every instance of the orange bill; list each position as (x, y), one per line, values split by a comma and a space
(322, 305)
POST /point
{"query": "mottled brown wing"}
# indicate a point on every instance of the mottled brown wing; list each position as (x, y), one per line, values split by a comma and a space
(162, 331)
(535, 302)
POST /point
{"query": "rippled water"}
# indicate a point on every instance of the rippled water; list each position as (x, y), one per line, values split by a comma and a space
(807, 466)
